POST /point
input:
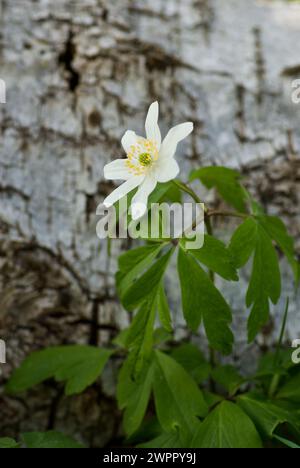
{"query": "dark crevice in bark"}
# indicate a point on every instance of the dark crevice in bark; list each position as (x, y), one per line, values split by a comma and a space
(53, 409)
(240, 113)
(260, 65)
(94, 324)
(66, 59)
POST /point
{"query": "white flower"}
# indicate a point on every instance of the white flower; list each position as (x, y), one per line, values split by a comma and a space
(148, 161)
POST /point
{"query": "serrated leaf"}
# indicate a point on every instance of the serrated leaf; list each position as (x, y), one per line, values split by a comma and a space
(227, 426)
(265, 283)
(243, 242)
(133, 395)
(278, 232)
(226, 181)
(78, 365)
(139, 339)
(133, 263)
(178, 400)
(164, 310)
(147, 284)
(216, 257)
(50, 439)
(201, 299)
(193, 361)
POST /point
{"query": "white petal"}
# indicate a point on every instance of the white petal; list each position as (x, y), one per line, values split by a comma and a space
(129, 139)
(151, 125)
(140, 199)
(117, 170)
(122, 190)
(175, 135)
(166, 169)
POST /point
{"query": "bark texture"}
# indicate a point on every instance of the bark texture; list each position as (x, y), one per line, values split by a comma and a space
(78, 73)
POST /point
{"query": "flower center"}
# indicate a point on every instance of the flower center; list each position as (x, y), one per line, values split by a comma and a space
(145, 159)
(141, 156)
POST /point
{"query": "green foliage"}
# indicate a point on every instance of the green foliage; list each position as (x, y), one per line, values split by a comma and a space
(278, 232)
(164, 311)
(266, 415)
(228, 377)
(133, 395)
(7, 442)
(217, 258)
(79, 366)
(147, 284)
(202, 300)
(227, 183)
(193, 361)
(291, 389)
(178, 400)
(139, 339)
(286, 442)
(227, 426)
(50, 439)
(171, 394)
(265, 281)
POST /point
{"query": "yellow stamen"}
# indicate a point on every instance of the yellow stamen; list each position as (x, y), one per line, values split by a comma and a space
(145, 159)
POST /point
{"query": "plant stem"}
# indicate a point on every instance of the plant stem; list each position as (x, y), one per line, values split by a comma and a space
(185, 188)
(234, 214)
(276, 378)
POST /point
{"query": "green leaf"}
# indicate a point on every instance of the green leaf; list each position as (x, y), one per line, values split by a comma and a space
(201, 299)
(265, 283)
(133, 263)
(265, 415)
(133, 395)
(156, 196)
(216, 257)
(139, 339)
(193, 361)
(172, 439)
(227, 183)
(164, 311)
(228, 377)
(7, 442)
(178, 400)
(227, 426)
(50, 439)
(211, 398)
(286, 442)
(278, 232)
(147, 284)
(243, 242)
(78, 365)
(291, 389)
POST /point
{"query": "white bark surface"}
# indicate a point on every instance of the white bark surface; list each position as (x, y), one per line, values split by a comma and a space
(78, 74)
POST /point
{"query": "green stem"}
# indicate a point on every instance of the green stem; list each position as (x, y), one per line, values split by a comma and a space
(234, 214)
(185, 188)
(276, 378)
